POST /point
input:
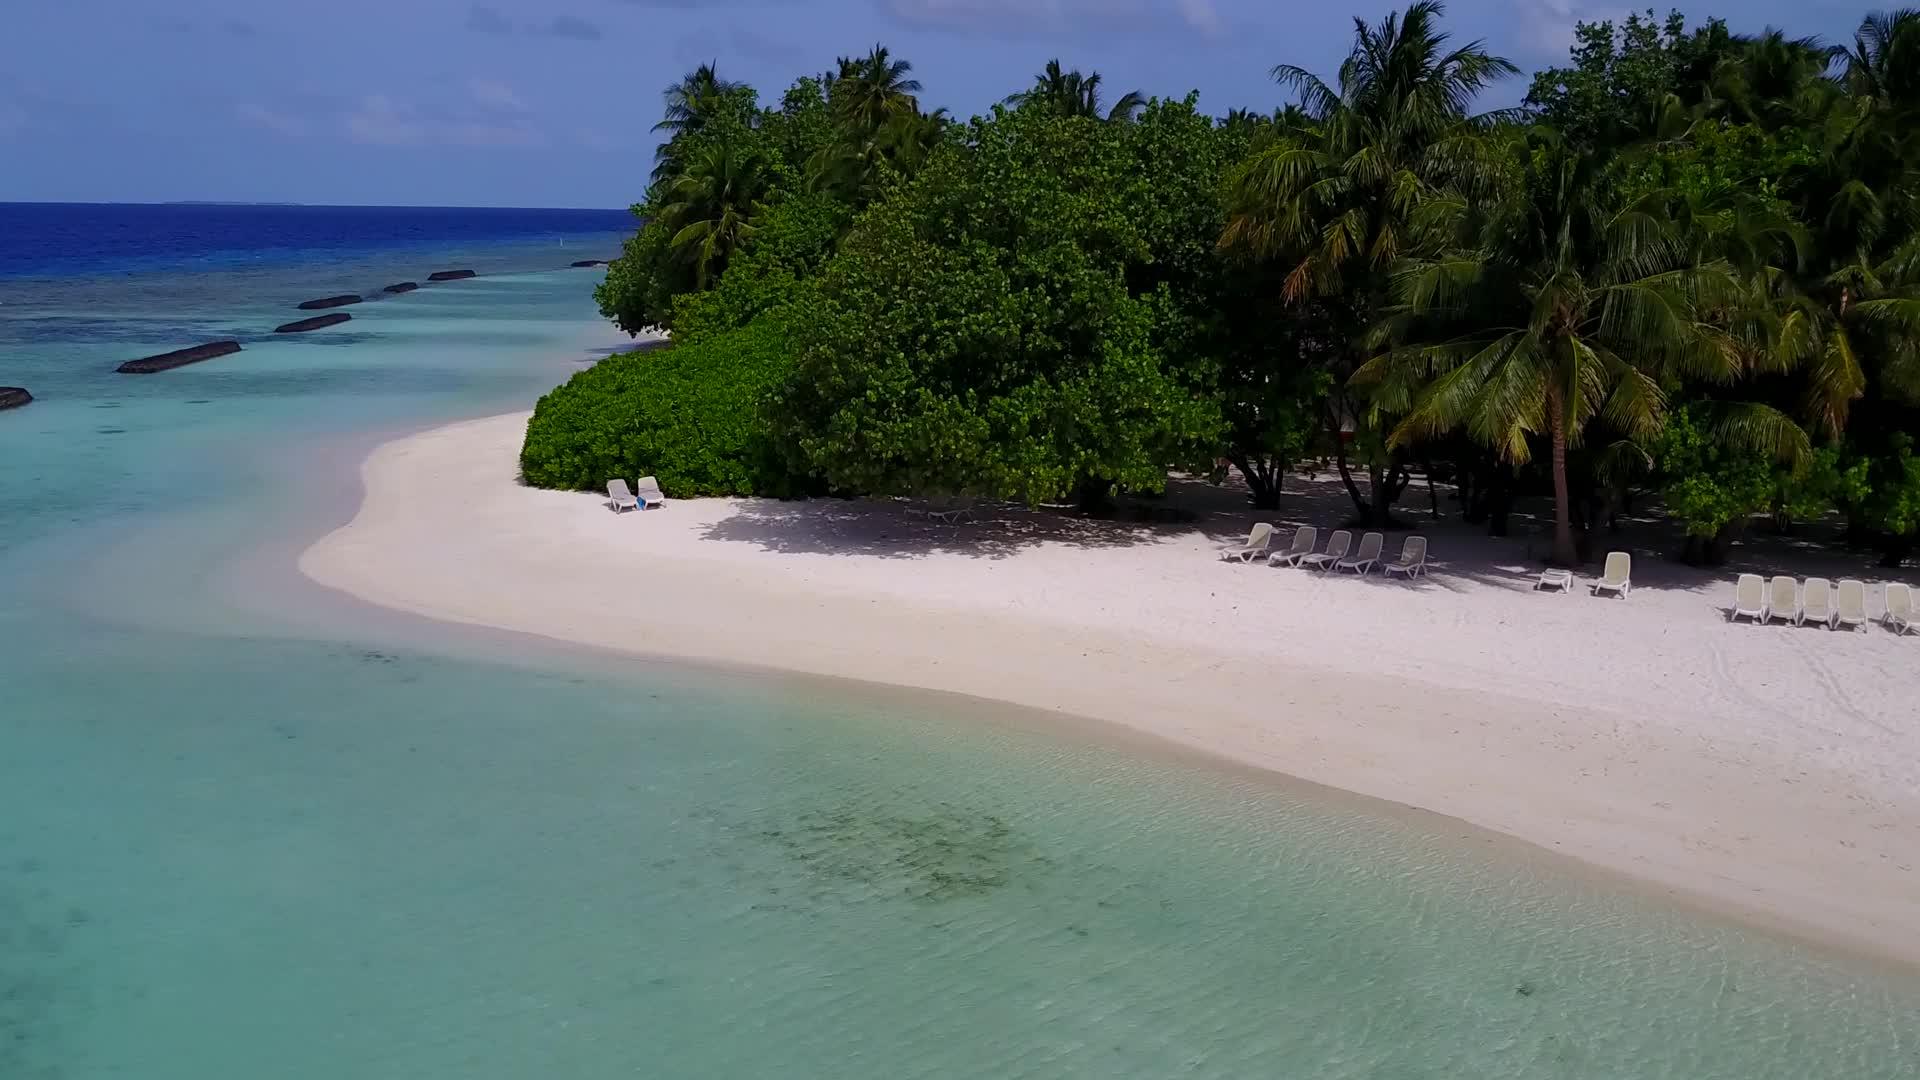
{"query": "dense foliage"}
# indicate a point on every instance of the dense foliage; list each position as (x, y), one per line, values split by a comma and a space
(977, 332)
(1689, 262)
(686, 415)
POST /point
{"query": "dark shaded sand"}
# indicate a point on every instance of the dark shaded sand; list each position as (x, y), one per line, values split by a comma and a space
(314, 323)
(147, 365)
(12, 397)
(330, 301)
(449, 275)
(404, 286)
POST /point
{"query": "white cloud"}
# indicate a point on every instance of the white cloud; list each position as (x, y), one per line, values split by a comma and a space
(482, 19)
(1200, 14)
(379, 120)
(1015, 17)
(262, 117)
(383, 121)
(1546, 26)
(481, 134)
(490, 94)
(572, 26)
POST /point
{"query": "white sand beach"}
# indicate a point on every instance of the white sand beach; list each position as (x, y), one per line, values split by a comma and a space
(1774, 771)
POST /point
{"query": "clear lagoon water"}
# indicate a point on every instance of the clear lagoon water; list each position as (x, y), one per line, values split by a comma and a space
(250, 829)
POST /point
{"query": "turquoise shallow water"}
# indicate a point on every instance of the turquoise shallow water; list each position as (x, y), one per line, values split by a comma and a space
(234, 845)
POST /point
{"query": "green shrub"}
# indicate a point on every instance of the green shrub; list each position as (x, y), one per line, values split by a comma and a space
(790, 241)
(688, 414)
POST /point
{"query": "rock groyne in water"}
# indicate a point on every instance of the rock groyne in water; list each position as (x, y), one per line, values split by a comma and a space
(314, 323)
(147, 365)
(12, 397)
(589, 262)
(330, 301)
(403, 286)
(449, 275)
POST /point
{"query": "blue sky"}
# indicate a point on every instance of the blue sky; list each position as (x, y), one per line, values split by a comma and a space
(550, 102)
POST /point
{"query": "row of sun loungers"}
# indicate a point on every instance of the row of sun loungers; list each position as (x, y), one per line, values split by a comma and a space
(1337, 557)
(1763, 600)
(1818, 601)
(1616, 577)
(644, 495)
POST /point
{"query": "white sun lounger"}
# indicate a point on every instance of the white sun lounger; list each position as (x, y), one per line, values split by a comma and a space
(1257, 540)
(1304, 538)
(1363, 560)
(1554, 578)
(1783, 599)
(1617, 577)
(1749, 599)
(1816, 603)
(1337, 546)
(1899, 617)
(1413, 558)
(1850, 605)
(619, 497)
(650, 494)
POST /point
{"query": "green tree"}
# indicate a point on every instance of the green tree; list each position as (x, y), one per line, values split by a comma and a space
(711, 205)
(699, 101)
(1573, 307)
(874, 89)
(1069, 93)
(1346, 195)
(790, 242)
(803, 126)
(700, 95)
(975, 332)
(1848, 298)
(1713, 478)
(1883, 67)
(689, 415)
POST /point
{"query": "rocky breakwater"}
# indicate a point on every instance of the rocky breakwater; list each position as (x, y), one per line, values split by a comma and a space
(315, 323)
(449, 275)
(330, 301)
(401, 286)
(147, 365)
(12, 397)
(589, 262)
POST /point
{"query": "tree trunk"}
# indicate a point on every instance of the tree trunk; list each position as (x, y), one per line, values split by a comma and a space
(1263, 481)
(1563, 553)
(1895, 549)
(1094, 495)
(1346, 474)
(1500, 504)
(1433, 497)
(1376, 492)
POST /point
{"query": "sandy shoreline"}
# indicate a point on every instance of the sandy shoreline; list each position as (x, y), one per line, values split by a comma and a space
(1776, 772)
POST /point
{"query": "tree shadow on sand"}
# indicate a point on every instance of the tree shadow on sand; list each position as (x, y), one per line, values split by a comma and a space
(910, 528)
(1205, 516)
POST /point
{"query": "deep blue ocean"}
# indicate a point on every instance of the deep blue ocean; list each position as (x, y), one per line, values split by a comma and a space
(253, 828)
(72, 239)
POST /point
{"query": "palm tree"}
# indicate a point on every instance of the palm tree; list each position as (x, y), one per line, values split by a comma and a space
(1569, 306)
(1883, 68)
(1340, 198)
(711, 204)
(1348, 191)
(874, 89)
(1069, 93)
(694, 99)
(1771, 80)
(699, 100)
(858, 164)
(1847, 300)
